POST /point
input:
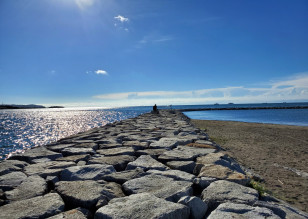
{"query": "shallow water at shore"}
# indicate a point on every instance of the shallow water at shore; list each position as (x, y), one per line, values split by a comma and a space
(297, 117)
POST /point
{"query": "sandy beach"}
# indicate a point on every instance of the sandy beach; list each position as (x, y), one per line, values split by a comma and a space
(278, 153)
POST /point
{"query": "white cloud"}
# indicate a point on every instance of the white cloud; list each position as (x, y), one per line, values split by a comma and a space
(101, 72)
(121, 18)
(292, 89)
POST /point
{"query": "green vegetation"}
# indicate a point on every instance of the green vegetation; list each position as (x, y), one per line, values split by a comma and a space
(258, 186)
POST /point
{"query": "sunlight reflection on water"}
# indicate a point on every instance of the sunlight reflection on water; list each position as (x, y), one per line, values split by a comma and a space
(22, 129)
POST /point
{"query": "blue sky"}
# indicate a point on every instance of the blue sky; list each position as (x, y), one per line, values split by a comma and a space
(140, 52)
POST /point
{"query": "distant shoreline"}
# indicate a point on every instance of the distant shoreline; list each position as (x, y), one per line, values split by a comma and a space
(4, 107)
(244, 108)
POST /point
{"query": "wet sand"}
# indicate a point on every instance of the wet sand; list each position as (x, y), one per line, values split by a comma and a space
(278, 153)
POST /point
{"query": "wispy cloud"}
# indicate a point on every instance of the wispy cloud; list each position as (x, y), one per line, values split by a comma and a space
(153, 39)
(121, 18)
(101, 72)
(292, 89)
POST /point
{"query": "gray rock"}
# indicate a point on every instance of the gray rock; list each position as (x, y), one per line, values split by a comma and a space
(123, 176)
(146, 162)
(29, 188)
(59, 147)
(187, 166)
(76, 151)
(118, 162)
(160, 186)
(36, 153)
(117, 151)
(52, 168)
(142, 206)
(7, 166)
(185, 153)
(84, 194)
(77, 213)
(224, 191)
(136, 145)
(241, 211)
(174, 174)
(11, 180)
(41, 160)
(165, 143)
(91, 145)
(37, 207)
(87, 172)
(75, 158)
(197, 207)
(151, 152)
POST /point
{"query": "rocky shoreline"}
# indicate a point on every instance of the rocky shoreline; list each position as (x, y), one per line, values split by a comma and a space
(151, 166)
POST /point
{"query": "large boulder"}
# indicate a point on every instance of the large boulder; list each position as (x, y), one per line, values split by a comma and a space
(241, 211)
(76, 151)
(29, 188)
(75, 158)
(146, 162)
(117, 151)
(52, 168)
(174, 174)
(123, 176)
(197, 207)
(160, 186)
(11, 180)
(87, 172)
(7, 166)
(85, 194)
(224, 191)
(185, 153)
(77, 213)
(118, 162)
(37, 207)
(142, 205)
(36, 153)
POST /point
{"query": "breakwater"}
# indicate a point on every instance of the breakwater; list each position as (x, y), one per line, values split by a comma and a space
(151, 166)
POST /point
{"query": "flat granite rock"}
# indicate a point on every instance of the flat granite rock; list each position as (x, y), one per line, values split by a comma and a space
(160, 186)
(142, 205)
(117, 151)
(37, 207)
(77, 213)
(185, 153)
(224, 191)
(52, 168)
(36, 153)
(136, 145)
(164, 143)
(118, 162)
(75, 158)
(146, 162)
(174, 174)
(29, 188)
(11, 180)
(7, 166)
(59, 147)
(76, 151)
(151, 152)
(123, 176)
(84, 194)
(87, 172)
(241, 211)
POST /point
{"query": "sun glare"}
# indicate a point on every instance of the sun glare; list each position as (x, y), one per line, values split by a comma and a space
(82, 4)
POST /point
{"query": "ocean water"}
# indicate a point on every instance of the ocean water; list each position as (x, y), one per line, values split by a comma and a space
(24, 128)
(297, 117)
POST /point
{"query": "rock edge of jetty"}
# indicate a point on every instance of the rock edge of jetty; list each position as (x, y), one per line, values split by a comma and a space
(156, 165)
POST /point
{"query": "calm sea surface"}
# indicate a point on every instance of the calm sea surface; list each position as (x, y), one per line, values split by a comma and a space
(22, 129)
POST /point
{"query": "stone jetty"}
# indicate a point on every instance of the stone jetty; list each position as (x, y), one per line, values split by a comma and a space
(151, 166)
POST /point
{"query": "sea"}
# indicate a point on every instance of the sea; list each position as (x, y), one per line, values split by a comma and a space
(21, 129)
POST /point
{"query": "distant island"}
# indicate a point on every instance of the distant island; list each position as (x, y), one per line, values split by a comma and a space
(29, 106)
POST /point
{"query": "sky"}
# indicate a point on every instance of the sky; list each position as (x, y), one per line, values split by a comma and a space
(142, 52)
